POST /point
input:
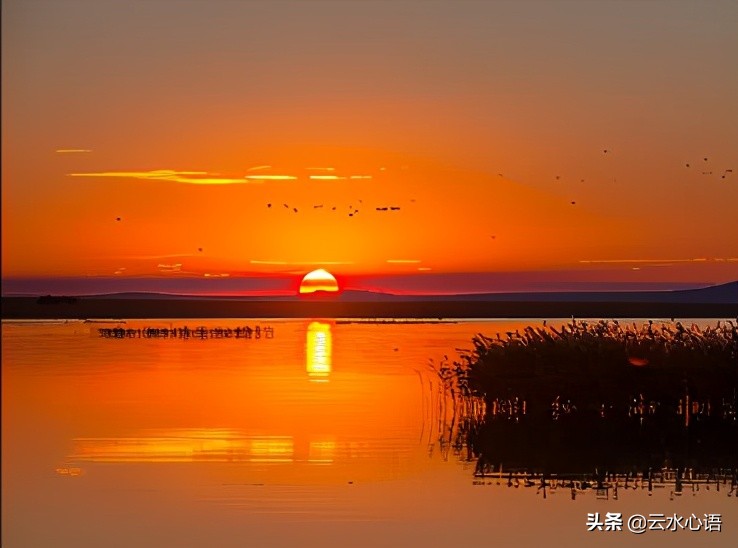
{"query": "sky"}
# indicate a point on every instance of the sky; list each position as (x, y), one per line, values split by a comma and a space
(532, 140)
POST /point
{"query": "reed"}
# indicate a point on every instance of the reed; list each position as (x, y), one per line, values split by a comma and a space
(596, 394)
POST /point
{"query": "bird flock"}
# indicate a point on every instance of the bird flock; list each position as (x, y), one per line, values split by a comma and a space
(351, 211)
(704, 168)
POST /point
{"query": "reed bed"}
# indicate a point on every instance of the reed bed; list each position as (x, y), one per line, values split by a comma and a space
(601, 393)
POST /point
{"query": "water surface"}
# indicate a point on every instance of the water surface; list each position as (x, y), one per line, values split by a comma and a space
(324, 434)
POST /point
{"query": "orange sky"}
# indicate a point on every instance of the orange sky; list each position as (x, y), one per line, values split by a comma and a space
(481, 121)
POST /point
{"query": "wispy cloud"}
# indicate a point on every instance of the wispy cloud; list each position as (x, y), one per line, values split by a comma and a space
(156, 257)
(222, 275)
(327, 177)
(176, 267)
(321, 168)
(270, 262)
(270, 177)
(300, 263)
(72, 150)
(403, 261)
(360, 177)
(424, 268)
(187, 177)
(259, 168)
(649, 261)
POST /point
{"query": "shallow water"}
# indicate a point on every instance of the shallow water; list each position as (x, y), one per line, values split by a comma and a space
(324, 434)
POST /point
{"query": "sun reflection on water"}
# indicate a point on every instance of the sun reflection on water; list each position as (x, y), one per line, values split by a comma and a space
(318, 351)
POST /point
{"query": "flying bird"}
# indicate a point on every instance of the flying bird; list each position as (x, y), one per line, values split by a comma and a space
(269, 205)
(573, 203)
(117, 218)
(294, 209)
(199, 249)
(394, 208)
(285, 205)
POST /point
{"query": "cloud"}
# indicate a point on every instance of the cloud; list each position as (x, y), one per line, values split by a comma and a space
(156, 257)
(72, 150)
(360, 177)
(403, 261)
(187, 177)
(269, 262)
(176, 267)
(258, 168)
(647, 261)
(303, 263)
(321, 168)
(326, 177)
(270, 177)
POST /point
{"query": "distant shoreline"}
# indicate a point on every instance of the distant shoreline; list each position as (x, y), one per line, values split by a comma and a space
(83, 308)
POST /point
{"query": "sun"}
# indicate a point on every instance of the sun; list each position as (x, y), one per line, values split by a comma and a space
(318, 281)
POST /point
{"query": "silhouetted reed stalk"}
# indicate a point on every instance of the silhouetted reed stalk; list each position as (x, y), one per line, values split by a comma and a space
(460, 411)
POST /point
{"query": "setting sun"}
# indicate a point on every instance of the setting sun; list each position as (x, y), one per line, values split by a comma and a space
(318, 280)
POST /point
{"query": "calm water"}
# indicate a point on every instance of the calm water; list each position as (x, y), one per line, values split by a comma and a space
(323, 435)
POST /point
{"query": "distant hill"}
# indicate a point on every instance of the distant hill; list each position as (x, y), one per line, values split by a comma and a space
(724, 293)
(710, 302)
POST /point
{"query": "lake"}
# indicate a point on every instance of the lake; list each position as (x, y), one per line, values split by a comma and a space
(316, 433)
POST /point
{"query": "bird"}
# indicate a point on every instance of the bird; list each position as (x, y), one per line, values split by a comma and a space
(285, 205)
(199, 249)
(705, 159)
(687, 165)
(493, 237)
(117, 218)
(573, 203)
(269, 205)
(318, 206)
(333, 208)
(395, 208)
(558, 177)
(294, 209)
(605, 151)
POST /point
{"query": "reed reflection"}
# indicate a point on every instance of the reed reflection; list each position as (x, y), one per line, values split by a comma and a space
(318, 351)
